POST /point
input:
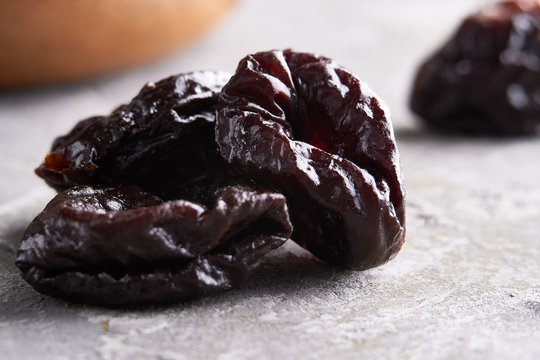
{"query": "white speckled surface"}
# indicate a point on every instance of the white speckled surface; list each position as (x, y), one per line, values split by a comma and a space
(466, 284)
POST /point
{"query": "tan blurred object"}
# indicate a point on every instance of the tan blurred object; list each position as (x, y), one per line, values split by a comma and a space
(51, 41)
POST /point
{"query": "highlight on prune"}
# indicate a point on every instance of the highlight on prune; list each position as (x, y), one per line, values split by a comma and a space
(120, 245)
(162, 139)
(302, 125)
(486, 78)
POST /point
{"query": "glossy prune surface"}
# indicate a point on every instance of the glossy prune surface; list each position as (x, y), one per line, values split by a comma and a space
(486, 78)
(120, 245)
(161, 140)
(302, 125)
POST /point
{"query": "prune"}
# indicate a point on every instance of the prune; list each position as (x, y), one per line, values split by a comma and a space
(486, 78)
(120, 245)
(287, 122)
(161, 140)
(304, 126)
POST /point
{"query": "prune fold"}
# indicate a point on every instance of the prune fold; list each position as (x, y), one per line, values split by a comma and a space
(302, 125)
(120, 245)
(486, 78)
(159, 141)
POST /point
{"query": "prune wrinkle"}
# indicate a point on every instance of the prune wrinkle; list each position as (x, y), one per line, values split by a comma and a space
(120, 245)
(313, 131)
(484, 80)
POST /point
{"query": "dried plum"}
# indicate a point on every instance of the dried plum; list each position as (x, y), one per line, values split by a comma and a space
(289, 131)
(486, 78)
(304, 126)
(120, 245)
(161, 140)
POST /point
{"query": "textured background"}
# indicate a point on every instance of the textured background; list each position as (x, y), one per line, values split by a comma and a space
(466, 284)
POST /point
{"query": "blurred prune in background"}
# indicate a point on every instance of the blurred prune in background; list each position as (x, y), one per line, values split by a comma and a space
(486, 78)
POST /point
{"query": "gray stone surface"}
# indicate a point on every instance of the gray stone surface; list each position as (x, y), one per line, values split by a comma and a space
(465, 285)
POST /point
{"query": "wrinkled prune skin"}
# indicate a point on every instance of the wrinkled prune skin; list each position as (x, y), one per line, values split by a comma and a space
(306, 127)
(486, 79)
(120, 245)
(161, 140)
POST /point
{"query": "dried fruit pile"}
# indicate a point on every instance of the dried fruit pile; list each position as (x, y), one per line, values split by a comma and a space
(179, 193)
(486, 79)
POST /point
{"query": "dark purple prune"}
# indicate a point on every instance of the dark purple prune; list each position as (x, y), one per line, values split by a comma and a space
(161, 140)
(304, 126)
(119, 245)
(486, 79)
